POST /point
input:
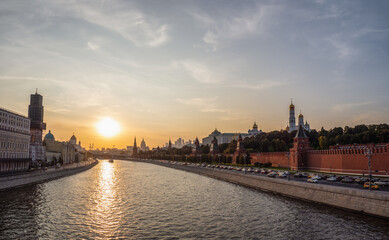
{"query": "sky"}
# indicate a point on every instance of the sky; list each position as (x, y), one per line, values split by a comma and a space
(170, 69)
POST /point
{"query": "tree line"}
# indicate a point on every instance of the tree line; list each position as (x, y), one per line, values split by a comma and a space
(281, 141)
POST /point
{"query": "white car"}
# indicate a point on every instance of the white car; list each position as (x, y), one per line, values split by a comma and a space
(382, 183)
(332, 179)
(312, 180)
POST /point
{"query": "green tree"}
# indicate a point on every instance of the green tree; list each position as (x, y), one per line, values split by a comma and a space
(323, 142)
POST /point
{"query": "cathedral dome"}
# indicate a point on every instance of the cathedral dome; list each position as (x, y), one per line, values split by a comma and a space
(300, 116)
(216, 132)
(73, 140)
(49, 136)
(255, 126)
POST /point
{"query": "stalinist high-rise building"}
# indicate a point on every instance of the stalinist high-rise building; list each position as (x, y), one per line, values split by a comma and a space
(35, 114)
(292, 120)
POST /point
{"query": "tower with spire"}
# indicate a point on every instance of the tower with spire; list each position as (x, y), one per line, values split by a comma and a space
(134, 149)
(300, 146)
(292, 119)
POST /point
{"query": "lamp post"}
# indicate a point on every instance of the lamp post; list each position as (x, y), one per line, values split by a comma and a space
(244, 159)
(288, 155)
(368, 155)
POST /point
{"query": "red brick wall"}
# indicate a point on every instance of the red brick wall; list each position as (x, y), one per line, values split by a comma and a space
(353, 162)
(278, 159)
(345, 159)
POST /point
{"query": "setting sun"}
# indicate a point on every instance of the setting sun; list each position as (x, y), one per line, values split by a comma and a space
(108, 127)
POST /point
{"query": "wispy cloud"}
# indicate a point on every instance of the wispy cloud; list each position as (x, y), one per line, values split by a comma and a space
(341, 47)
(260, 85)
(203, 104)
(93, 46)
(341, 107)
(198, 71)
(119, 17)
(222, 30)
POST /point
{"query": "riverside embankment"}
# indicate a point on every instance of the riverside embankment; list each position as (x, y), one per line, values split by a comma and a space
(7, 182)
(374, 203)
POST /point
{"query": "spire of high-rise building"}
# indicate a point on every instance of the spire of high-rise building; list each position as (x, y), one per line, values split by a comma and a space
(135, 148)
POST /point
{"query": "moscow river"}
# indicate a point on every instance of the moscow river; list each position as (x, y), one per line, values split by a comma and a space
(131, 200)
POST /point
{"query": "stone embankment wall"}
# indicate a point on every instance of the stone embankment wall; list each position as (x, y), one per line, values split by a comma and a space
(36, 177)
(373, 203)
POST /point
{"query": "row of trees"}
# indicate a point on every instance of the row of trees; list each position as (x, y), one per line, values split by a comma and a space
(281, 141)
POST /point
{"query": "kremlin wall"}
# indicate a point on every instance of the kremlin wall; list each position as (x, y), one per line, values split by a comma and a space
(352, 159)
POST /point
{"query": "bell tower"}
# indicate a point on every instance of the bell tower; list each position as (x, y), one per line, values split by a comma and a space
(292, 118)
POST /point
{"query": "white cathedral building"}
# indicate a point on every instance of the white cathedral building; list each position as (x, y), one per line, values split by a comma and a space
(292, 121)
(228, 137)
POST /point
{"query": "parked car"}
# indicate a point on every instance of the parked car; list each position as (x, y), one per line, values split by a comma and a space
(332, 179)
(373, 186)
(382, 183)
(347, 180)
(312, 180)
(282, 174)
(360, 180)
(272, 174)
(339, 178)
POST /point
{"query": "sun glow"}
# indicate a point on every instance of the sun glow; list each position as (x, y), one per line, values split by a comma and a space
(108, 127)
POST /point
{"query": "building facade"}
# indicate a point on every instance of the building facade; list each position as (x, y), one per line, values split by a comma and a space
(228, 137)
(63, 152)
(14, 141)
(35, 113)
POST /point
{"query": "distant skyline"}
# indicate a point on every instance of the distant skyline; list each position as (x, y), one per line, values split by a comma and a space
(170, 69)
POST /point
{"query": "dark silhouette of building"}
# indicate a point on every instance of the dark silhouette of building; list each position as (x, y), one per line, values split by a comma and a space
(134, 149)
(35, 114)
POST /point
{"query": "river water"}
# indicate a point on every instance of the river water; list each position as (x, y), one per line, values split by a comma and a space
(131, 200)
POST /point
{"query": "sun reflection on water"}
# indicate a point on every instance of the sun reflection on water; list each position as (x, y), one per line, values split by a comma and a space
(104, 212)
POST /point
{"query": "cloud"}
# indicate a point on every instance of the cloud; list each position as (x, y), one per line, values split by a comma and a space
(341, 107)
(203, 104)
(341, 47)
(93, 46)
(261, 85)
(221, 31)
(119, 17)
(198, 71)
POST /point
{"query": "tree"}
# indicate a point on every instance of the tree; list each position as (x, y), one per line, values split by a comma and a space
(323, 142)
(231, 147)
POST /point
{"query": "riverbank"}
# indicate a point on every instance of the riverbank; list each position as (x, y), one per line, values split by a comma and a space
(8, 182)
(374, 203)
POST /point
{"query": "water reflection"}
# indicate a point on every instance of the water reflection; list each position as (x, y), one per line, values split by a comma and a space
(103, 213)
(129, 200)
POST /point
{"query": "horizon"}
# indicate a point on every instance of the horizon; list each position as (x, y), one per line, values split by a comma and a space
(181, 70)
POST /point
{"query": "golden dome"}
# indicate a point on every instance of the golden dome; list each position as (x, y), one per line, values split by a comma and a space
(300, 116)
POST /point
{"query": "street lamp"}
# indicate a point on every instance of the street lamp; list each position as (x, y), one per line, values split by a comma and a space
(244, 159)
(288, 155)
(368, 155)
